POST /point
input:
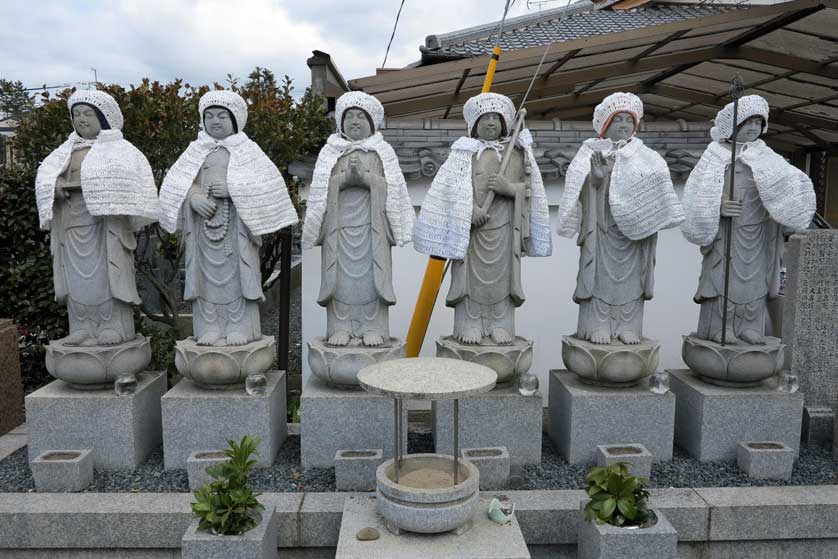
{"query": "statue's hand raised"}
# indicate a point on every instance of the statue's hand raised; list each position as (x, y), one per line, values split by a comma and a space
(731, 208)
(599, 166)
(499, 185)
(219, 190)
(202, 205)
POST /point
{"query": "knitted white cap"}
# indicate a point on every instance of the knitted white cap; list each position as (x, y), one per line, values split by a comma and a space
(484, 103)
(363, 101)
(749, 105)
(613, 104)
(230, 100)
(100, 100)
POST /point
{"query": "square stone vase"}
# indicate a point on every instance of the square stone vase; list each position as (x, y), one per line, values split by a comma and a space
(258, 543)
(603, 541)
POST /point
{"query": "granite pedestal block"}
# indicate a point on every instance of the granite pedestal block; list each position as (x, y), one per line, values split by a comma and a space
(603, 541)
(258, 543)
(493, 465)
(197, 464)
(502, 417)
(711, 420)
(584, 416)
(485, 539)
(355, 469)
(196, 418)
(121, 430)
(637, 456)
(765, 460)
(333, 419)
(62, 471)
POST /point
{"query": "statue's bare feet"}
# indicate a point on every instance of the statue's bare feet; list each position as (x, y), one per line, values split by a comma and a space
(501, 336)
(752, 337)
(109, 336)
(730, 338)
(471, 336)
(76, 338)
(629, 338)
(373, 339)
(236, 338)
(339, 339)
(210, 338)
(601, 336)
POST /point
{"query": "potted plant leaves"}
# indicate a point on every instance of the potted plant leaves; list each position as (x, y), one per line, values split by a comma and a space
(229, 520)
(617, 521)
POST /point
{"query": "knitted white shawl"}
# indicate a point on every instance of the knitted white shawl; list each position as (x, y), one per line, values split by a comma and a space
(641, 195)
(256, 186)
(785, 191)
(116, 179)
(444, 221)
(397, 204)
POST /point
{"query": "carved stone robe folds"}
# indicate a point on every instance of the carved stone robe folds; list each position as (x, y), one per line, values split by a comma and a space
(776, 197)
(617, 225)
(110, 193)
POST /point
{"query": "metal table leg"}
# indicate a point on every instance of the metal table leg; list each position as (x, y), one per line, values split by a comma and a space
(456, 441)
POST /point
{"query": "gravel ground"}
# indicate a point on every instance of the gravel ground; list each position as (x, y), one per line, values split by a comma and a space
(814, 467)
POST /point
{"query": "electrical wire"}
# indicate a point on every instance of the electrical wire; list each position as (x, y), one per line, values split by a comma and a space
(393, 34)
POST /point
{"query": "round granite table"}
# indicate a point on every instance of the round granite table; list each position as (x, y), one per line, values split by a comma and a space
(426, 378)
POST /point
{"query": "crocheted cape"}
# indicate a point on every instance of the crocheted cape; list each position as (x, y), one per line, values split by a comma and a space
(785, 191)
(641, 196)
(397, 204)
(256, 186)
(444, 221)
(116, 179)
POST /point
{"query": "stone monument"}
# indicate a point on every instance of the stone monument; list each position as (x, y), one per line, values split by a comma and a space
(358, 208)
(810, 326)
(770, 197)
(485, 210)
(224, 193)
(93, 192)
(11, 397)
(618, 195)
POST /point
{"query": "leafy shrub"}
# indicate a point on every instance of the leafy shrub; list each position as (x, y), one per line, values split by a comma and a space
(616, 497)
(227, 506)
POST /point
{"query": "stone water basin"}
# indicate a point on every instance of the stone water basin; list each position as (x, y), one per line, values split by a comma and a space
(425, 499)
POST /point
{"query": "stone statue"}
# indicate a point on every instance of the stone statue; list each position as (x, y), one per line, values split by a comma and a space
(618, 195)
(771, 198)
(358, 207)
(485, 244)
(224, 193)
(93, 192)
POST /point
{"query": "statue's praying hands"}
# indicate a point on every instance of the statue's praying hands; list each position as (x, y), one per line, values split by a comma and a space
(599, 167)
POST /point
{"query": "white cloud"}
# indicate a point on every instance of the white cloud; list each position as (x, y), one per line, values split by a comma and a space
(202, 41)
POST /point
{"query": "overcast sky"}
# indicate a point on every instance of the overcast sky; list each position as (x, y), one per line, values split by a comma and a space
(58, 41)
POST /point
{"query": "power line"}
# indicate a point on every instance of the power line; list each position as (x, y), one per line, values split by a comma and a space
(393, 34)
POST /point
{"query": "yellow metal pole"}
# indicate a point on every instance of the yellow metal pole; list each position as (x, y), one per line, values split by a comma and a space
(436, 266)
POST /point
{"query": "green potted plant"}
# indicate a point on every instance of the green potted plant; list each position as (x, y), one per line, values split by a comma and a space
(617, 520)
(229, 520)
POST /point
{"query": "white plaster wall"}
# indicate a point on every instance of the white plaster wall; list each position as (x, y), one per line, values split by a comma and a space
(549, 311)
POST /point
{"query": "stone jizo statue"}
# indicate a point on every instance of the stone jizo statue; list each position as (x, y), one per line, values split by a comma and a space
(485, 244)
(357, 209)
(93, 192)
(771, 198)
(618, 195)
(224, 193)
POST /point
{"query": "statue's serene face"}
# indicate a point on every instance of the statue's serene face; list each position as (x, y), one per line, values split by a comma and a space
(621, 127)
(750, 130)
(218, 122)
(489, 127)
(86, 122)
(356, 125)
